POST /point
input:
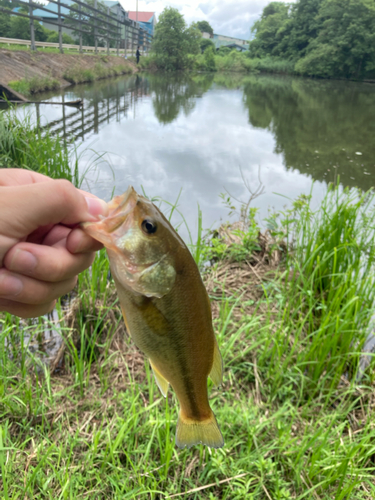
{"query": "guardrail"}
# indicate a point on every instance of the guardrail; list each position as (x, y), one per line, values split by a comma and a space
(98, 22)
(84, 48)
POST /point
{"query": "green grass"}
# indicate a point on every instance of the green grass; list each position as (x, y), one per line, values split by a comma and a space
(98, 72)
(295, 423)
(29, 86)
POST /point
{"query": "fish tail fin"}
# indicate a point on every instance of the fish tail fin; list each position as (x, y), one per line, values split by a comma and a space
(190, 432)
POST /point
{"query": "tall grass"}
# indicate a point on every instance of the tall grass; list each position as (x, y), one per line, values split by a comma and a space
(295, 424)
(29, 86)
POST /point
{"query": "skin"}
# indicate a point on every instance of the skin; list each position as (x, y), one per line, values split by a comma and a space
(163, 299)
(41, 248)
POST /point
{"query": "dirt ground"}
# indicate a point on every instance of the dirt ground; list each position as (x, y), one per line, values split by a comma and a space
(17, 64)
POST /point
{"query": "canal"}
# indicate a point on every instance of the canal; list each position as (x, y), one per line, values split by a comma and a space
(204, 134)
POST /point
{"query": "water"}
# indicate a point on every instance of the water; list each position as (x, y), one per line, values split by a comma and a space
(203, 133)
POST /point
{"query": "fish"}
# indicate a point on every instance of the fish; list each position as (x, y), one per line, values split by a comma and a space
(166, 309)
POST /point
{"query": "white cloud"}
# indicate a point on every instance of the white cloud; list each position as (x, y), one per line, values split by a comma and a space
(227, 17)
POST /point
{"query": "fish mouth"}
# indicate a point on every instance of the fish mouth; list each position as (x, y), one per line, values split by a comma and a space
(120, 207)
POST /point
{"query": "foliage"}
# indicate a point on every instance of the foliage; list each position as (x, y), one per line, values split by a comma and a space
(204, 27)
(91, 25)
(19, 27)
(296, 424)
(209, 58)
(325, 38)
(76, 74)
(174, 41)
(205, 43)
(53, 37)
(23, 146)
(28, 86)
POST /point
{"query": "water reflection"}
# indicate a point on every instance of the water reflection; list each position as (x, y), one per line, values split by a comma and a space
(321, 128)
(167, 132)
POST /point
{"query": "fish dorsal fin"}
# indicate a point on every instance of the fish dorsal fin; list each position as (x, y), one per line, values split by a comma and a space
(161, 382)
(216, 373)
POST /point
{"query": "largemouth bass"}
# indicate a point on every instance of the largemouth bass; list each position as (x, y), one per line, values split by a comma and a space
(166, 309)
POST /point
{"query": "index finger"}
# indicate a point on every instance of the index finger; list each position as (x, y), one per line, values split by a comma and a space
(20, 177)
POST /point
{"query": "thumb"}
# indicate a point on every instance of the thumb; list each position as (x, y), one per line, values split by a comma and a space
(25, 208)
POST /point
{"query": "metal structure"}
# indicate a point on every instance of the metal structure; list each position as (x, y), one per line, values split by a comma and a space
(99, 21)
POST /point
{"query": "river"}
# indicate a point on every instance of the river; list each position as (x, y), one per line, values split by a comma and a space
(204, 134)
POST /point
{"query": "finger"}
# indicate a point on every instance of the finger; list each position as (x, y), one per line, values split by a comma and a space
(44, 263)
(20, 176)
(25, 290)
(25, 208)
(25, 310)
(80, 242)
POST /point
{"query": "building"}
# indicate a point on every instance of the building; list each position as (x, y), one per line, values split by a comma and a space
(230, 42)
(48, 19)
(146, 20)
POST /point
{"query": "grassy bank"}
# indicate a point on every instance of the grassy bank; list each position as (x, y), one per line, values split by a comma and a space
(291, 307)
(235, 62)
(29, 86)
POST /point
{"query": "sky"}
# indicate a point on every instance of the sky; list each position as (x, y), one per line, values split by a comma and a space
(227, 17)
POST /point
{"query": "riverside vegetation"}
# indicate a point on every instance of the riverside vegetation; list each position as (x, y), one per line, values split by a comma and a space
(291, 307)
(322, 38)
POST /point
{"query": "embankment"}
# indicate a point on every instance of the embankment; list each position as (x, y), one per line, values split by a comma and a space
(19, 65)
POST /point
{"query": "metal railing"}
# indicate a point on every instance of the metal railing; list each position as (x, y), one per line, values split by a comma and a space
(101, 24)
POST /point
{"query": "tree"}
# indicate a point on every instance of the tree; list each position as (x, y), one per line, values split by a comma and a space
(205, 27)
(326, 38)
(205, 43)
(268, 30)
(209, 59)
(174, 41)
(89, 24)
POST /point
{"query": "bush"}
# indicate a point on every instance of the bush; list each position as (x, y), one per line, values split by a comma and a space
(53, 37)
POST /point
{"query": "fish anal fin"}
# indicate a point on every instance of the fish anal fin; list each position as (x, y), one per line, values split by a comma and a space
(190, 432)
(161, 382)
(216, 373)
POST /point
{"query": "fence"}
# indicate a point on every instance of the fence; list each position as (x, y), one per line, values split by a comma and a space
(99, 23)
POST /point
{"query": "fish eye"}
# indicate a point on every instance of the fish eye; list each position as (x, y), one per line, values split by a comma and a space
(149, 226)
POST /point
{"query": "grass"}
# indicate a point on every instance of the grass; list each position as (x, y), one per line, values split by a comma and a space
(295, 422)
(29, 86)
(22, 145)
(79, 75)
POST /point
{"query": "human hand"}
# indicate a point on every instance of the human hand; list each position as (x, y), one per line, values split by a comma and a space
(41, 250)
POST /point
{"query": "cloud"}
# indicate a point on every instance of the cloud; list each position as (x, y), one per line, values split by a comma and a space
(227, 17)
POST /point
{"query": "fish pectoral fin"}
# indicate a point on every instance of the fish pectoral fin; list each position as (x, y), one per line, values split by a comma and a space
(161, 382)
(190, 432)
(216, 373)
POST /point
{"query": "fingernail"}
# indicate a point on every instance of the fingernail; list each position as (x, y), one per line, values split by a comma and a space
(10, 286)
(96, 206)
(23, 262)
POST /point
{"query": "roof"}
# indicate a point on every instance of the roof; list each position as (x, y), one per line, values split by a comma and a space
(53, 7)
(110, 3)
(227, 43)
(64, 10)
(143, 17)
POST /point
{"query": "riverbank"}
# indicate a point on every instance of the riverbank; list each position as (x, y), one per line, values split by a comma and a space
(31, 72)
(291, 301)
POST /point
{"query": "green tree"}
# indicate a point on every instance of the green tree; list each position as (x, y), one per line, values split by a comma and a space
(345, 45)
(269, 30)
(5, 19)
(53, 37)
(209, 59)
(205, 27)
(90, 24)
(205, 43)
(174, 41)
